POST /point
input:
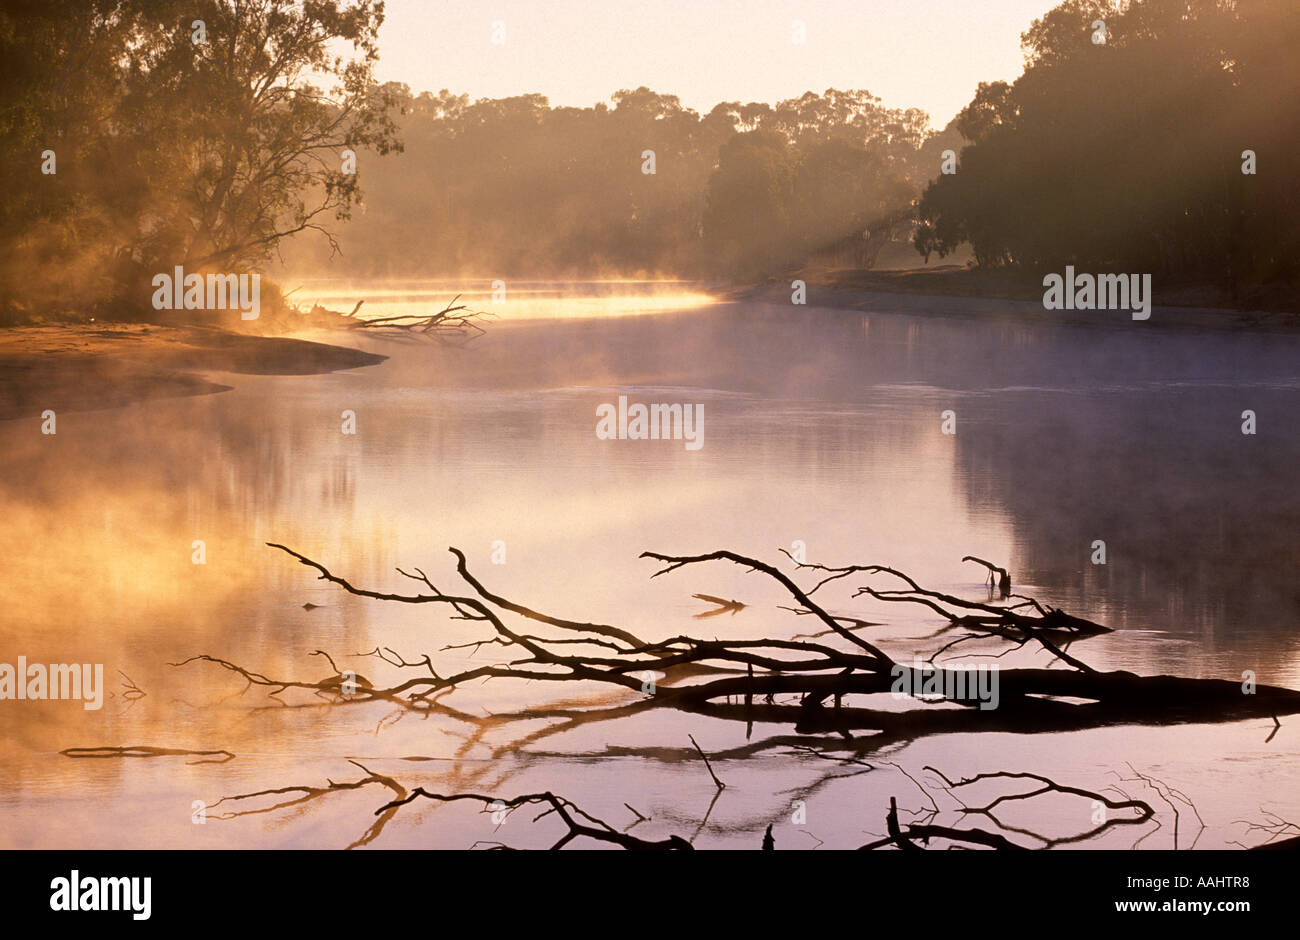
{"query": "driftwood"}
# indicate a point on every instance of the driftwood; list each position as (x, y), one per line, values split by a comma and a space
(579, 824)
(300, 795)
(132, 692)
(1004, 577)
(1025, 620)
(820, 689)
(906, 836)
(740, 679)
(454, 321)
(144, 750)
(929, 827)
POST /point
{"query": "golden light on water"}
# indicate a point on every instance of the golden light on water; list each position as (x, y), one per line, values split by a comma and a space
(597, 299)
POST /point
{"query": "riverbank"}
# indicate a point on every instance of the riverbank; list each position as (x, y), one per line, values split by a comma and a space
(88, 367)
(951, 291)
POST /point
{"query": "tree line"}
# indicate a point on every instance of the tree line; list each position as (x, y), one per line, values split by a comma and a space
(1153, 136)
(1143, 135)
(640, 184)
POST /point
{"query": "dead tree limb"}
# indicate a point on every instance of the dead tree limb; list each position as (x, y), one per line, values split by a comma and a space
(580, 825)
(453, 319)
(709, 767)
(144, 750)
(1004, 579)
(307, 794)
(740, 679)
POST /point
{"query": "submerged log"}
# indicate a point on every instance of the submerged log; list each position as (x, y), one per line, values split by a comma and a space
(740, 679)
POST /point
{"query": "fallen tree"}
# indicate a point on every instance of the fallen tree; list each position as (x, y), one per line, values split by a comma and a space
(831, 676)
(930, 826)
(740, 679)
(455, 321)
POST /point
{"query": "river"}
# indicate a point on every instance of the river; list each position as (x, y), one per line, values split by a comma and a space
(823, 432)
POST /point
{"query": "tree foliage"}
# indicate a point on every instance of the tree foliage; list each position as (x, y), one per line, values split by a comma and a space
(1128, 155)
(516, 187)
(198, 133)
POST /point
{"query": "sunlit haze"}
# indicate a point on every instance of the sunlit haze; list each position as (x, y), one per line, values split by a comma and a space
(754, 425)
(927, 54)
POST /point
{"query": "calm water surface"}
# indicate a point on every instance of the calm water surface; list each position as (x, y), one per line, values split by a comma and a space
(821, 426)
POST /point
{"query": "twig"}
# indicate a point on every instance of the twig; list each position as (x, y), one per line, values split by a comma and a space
(718, 783)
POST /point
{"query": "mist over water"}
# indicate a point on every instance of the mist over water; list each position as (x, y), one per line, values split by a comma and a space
(820, 426)
(520, 300)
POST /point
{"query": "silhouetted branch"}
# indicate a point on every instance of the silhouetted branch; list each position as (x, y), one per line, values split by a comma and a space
(147, 751)
(716, 782)
(579, 823)
(740, 679)
(307, 794)
(455, 319)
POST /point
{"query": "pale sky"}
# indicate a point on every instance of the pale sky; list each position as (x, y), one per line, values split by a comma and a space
(928, 54)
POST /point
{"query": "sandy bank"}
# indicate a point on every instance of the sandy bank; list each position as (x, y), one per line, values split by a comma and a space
(86, 367)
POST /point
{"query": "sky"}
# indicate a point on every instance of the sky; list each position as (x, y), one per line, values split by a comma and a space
(927, 54)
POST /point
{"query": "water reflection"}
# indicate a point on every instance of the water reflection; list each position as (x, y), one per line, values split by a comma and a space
(821, 426)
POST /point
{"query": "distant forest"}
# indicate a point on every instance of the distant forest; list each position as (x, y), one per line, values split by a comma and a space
(227, 151)
(1122, 155)
(514, 186)
(1168, 149)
